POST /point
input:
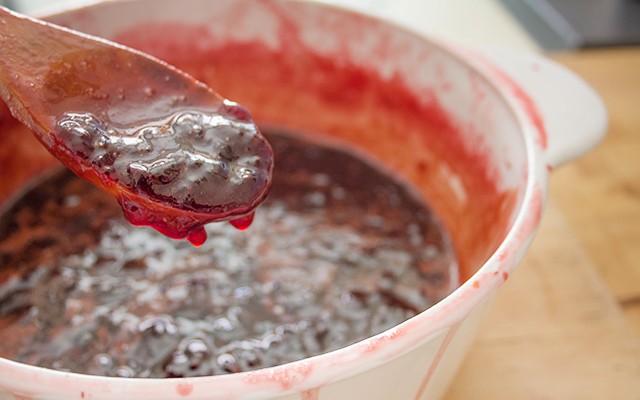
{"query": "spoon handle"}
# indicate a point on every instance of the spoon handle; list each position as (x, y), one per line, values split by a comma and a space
(47, 70)
(22, 44)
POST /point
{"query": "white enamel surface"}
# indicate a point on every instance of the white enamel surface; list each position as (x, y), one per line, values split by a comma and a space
(574, 115)
(417, 359)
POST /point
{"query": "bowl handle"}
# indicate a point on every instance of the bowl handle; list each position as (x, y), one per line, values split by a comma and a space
(573, 114)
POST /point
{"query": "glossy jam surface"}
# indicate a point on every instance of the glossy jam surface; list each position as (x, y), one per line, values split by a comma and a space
(339, 251)
(208, 166)
(173, 152)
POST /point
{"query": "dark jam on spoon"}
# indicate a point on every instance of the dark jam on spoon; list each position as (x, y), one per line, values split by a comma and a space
(209, 166)
(339, 251)
(174, 153)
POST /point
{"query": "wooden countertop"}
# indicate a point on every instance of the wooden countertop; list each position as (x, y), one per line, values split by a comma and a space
(567, 324)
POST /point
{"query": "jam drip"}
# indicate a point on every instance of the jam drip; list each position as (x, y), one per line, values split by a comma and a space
(178, 173)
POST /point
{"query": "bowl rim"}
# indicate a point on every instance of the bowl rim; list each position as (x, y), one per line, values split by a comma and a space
(446, 315)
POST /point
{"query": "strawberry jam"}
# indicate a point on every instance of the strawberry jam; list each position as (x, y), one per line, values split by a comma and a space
(340, 251)
(178, 173)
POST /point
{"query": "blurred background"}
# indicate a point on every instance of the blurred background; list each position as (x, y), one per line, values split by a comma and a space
(548, 24)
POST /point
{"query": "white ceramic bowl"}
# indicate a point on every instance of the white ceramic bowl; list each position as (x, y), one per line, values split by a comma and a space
(477, 132)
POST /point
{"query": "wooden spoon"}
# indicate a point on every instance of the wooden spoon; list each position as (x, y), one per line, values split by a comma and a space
(174, 153)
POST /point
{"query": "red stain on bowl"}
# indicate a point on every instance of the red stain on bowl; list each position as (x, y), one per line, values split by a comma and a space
(285, 376)
(436, 360)
(374, 343)
(526, 102)
(311, 394)
(184, 388)
(521, 95)
(533, 213)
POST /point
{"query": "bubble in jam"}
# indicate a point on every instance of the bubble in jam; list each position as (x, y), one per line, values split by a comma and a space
(340, 251)
(177, 173)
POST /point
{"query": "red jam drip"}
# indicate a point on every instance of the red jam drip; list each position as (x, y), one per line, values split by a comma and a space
(178, 173)
(198, 237)
(243, 223)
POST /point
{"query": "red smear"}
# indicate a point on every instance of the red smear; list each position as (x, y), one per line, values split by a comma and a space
(518, 92)
(436, 361)
(504, 256)
(311, 394)
(184, 388)
(535, 213)
(530, 108)
(374, 343)
(526, 102)
(242, 223)
(505, 275)
(476, 284)
(286, 376)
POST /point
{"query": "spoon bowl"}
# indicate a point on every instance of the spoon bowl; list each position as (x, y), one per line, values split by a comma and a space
(173, 152)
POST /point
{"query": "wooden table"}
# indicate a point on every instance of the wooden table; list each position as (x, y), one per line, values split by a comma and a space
(567, 325)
